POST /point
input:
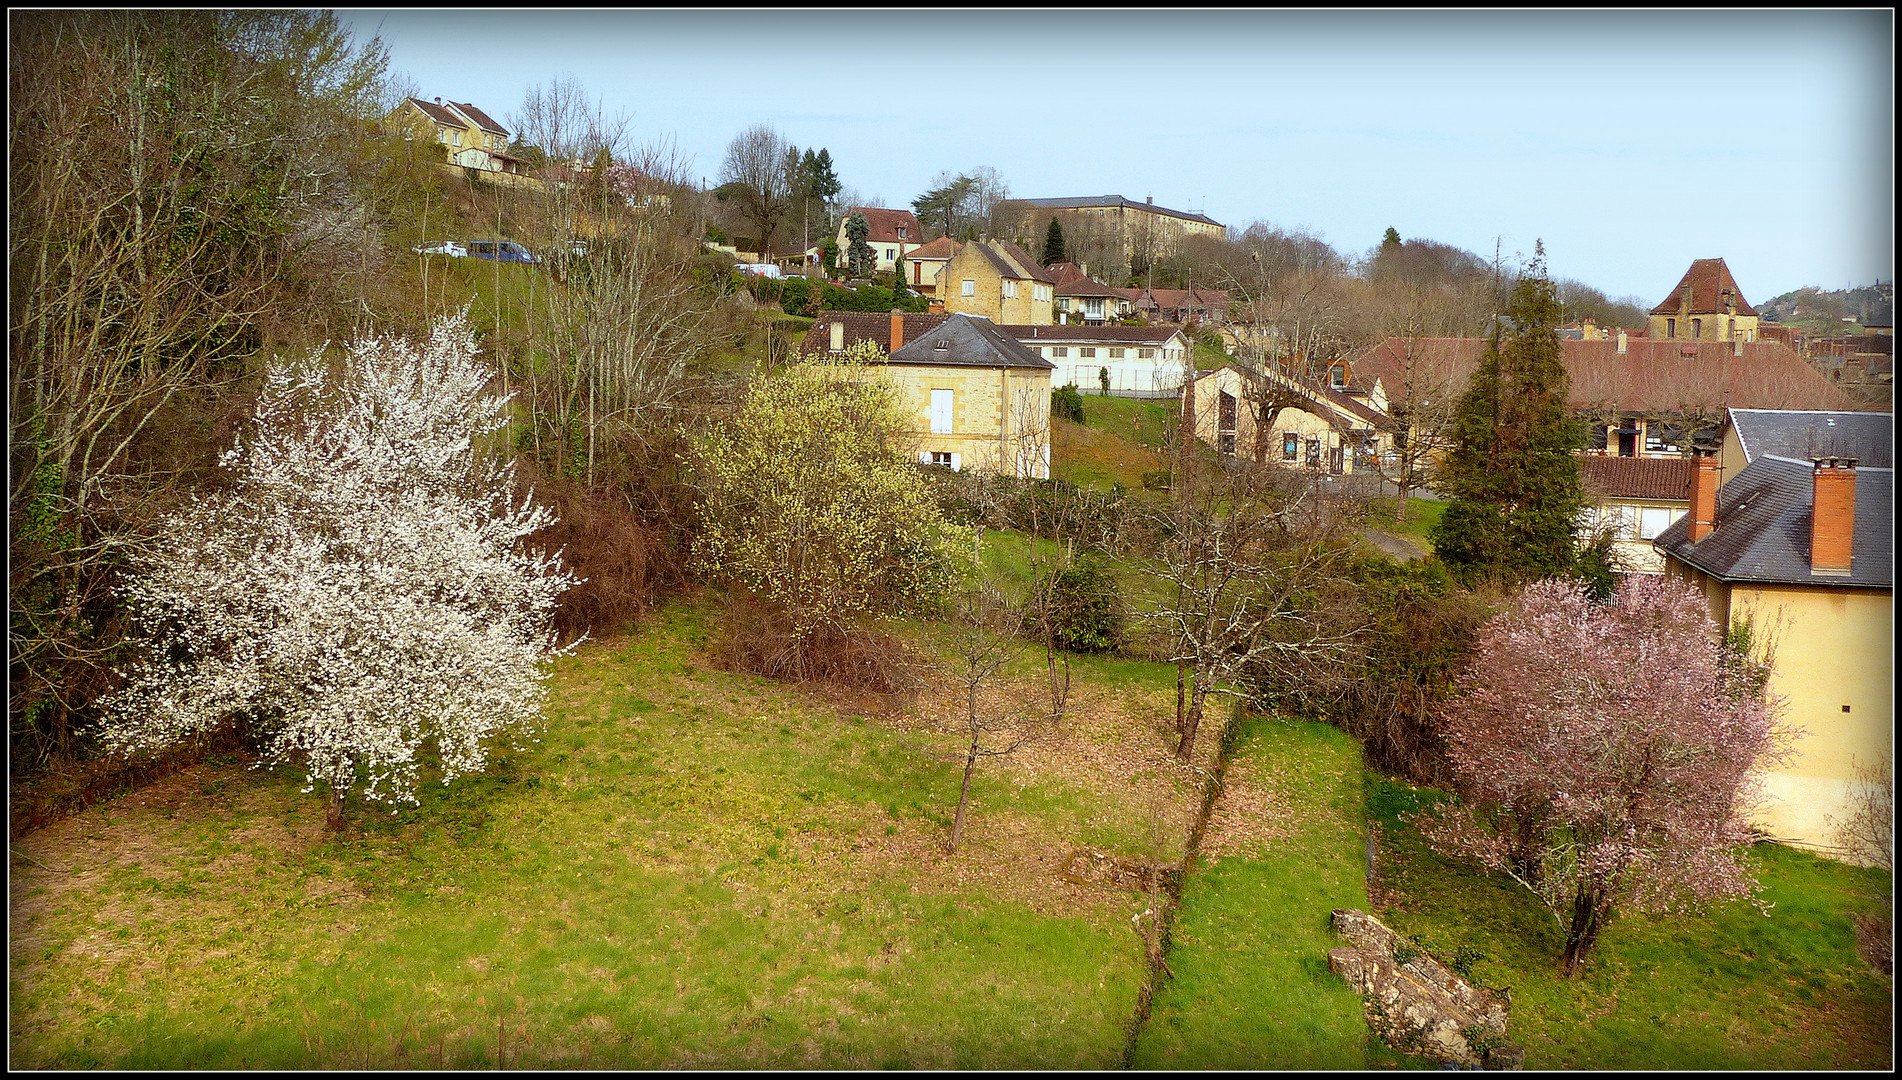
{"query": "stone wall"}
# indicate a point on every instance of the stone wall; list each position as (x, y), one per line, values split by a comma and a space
(1418, 1005)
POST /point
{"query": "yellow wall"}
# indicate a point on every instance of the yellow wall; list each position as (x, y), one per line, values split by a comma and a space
(1715, 327)
(988, 298)
(1830, 647)
(1000, 417)
(1295, 421)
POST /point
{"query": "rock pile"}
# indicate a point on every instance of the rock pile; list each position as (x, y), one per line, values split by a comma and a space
(1416, 1003)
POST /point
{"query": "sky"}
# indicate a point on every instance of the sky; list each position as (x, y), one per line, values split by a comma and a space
(1630, 143)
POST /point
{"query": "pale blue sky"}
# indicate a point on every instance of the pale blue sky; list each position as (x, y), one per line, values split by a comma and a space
(1630, 142)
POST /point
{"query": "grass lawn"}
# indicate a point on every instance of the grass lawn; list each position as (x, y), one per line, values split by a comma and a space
(1422, 515)
(1284, 847)
(1729, 989)
(691, 868)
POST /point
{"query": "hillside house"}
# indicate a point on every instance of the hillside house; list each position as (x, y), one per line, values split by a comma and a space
(999, 281)
(892, 234)
(1637, 498)
(1137, 361)
(1273, 418)
(469, 136)
(1802, 552)
(922, 265)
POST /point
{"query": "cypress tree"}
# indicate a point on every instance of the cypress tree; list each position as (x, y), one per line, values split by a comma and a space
(1511, 475)
(1053, 251)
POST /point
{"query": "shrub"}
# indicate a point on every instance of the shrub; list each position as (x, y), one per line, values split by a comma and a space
(1083, 606)
(1067, 404)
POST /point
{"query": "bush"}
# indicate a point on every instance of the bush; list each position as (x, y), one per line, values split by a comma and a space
(1083, 606)
(1156, 480)
(1067, 404)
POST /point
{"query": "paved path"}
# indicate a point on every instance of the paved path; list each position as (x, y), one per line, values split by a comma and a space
(1398, 546)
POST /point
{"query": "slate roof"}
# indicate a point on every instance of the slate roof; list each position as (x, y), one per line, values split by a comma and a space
(1079, 202)
(1657, 479)
(1867, 437)
(1652, 376)
(866, 326)
(1115, 335)
(1763, 528)
(882, 224)
(1707, 278)
(1013, 261)
(968, 341)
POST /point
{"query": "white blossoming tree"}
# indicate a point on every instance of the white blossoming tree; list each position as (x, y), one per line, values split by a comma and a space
(362, 591)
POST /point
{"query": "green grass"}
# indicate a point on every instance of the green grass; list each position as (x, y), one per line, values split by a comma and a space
(1422, 515)
(1728, 989)
(691, 869)
(1251, 989)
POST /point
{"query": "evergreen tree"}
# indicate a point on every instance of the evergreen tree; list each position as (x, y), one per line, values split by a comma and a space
(1053, 250)
(1511, 475)
(821, 177)
(1391, 241)
(860, 259)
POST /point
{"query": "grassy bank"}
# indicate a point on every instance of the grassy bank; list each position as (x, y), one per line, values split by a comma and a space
(1730, 989)
(691, 868)
(1250, 987)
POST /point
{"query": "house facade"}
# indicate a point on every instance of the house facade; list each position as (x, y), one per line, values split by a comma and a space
(981, 399)
(1268, 418)
(891, 233)
(997, 280)
(923, 264)
(1137, 361)
(470, 137)
(1706, 305)
(1802, 553)
(1636, 499)
(1142, 228)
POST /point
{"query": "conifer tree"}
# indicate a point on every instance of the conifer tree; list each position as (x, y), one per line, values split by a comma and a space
(859, 255)
(1053, 250)
(1511, 475)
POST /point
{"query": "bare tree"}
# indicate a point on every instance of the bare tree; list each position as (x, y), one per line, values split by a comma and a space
(569, 128)
(1234, 547)
(754, 173)
(1424, 389)
(989, 636)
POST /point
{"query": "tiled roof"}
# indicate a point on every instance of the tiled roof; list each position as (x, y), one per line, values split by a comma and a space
(1636, 477)
(1115, 335)
(942, 248)
(443, 116)
(1343, 413)
(1652, 376)
(966, 341)
(1179, 298)
(882, 225)
(866, 326)
(1086, 287)
(1763, 528)
(482, 119)
(1081, 202)
(1868, 437)
(1063, 273)
(1706, 279)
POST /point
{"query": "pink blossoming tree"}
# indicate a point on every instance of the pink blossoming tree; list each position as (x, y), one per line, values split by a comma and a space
(1604, 754)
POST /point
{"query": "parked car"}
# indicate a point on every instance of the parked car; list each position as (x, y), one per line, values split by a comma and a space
(442, 247)
(499, 250)
(765, 270)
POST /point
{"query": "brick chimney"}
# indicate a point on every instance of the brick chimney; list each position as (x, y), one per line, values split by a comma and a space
(898, 330)
(1703, 493)
(838, 337)
(1621, 343)
(1832, 516)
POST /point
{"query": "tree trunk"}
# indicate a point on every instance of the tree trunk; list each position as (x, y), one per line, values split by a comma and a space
(333, 811)
(964, 797)
(1583, 933)
(1186, 748)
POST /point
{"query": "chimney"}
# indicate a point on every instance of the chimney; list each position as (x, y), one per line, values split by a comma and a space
(1621, 343)
(936, 306)
(1736, 345)
(898, 329)
(838, 337)
(1832, 516)
(1703, 493)
(439, 101)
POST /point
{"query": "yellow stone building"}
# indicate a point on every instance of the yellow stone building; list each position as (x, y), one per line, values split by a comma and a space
(999, 281)
(1705, 306)
(1139, 226)
(1272, 418)
(469, 136)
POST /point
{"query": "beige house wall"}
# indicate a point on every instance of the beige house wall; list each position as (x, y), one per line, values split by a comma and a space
(1638, 555)
(1299, 422)
(1716, 327)
(1000, 417)
(988, 299)
(1830, 648)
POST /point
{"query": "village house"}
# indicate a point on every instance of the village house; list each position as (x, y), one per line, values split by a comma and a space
(1083, 299)
(1269, 417)
(471, 138)
(1136, 361)
(922, 265)
(1801, 552)
(891, 233)
(998, 280)
(1706, 306)
(1636, 499)
(1140, 228)
(982, 399)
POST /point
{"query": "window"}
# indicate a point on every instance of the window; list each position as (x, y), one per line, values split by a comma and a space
(1670, 328)
(1145, 354)
(1225, 415)
(457, 136)
(901, 232)
(1337, 376)
(1697, 328)
(941, 412)
(1060, 350)
(1091, 353)
(970, 287)
(1653, 520)
(1290, 446)
(1010, 290)
(1116, 354)
(1228, 442)
(1732, 332)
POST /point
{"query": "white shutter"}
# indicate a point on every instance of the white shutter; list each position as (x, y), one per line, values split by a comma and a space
(957, 461)
(924, 457)
(941, 412)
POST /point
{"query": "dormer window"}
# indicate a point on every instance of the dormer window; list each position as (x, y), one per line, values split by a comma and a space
(901, 232)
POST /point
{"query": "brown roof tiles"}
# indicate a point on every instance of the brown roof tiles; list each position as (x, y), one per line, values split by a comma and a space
(883, 224)
(1705, 282)
(1636, 477)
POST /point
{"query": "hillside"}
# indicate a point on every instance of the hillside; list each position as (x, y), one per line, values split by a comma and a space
(1832, 311)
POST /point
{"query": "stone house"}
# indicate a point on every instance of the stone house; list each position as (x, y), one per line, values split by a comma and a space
(1638, 498)
(999, 281)
(469, 136)
(892, 234)
(1706, 305)
(1273, 418)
